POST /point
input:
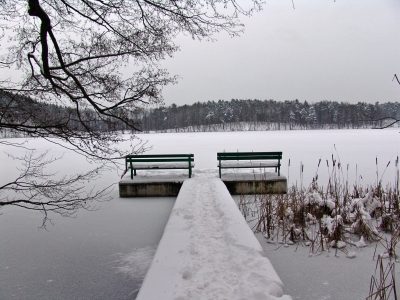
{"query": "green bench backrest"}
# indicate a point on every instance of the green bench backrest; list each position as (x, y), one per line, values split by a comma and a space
(248, 155)
(129, 159)
(160, 155)
(160, 158)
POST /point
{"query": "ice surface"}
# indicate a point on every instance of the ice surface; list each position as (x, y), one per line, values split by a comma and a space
(136, 263)
(81, 258)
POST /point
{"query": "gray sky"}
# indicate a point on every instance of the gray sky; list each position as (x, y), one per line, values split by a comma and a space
(346, 50)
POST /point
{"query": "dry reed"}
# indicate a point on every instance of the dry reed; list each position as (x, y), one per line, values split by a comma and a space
(333, 217)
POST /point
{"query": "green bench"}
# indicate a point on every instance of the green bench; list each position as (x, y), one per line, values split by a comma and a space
(233, 160)
(158, 161)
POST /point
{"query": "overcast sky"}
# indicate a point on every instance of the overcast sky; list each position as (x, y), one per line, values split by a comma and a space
(346, 50)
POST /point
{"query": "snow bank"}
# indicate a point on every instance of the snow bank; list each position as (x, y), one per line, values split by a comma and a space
(208, 251)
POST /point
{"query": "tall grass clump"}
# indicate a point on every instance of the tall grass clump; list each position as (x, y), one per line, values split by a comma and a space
(330, 216)
(333, 216)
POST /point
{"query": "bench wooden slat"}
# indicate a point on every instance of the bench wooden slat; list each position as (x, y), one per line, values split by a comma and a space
(171, 165)
(247, 153)
(245, 164)
(159, 160)
(159, 155)
(251, 157)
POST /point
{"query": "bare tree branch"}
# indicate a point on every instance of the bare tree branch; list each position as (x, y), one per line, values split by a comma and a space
(72, 54)
(391, 120)
(395, 77)
(39, 190)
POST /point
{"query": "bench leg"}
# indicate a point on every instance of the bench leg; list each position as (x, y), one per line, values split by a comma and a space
(134, 174)
(219, 172)
(279, 167)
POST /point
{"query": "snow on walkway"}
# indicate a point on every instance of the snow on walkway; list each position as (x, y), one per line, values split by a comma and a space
(208, 251)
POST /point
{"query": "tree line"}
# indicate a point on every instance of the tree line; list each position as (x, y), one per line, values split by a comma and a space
(22, 116)
(268, 115)
(234, 115)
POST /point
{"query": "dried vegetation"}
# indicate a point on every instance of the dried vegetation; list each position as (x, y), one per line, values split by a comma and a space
(333, 217)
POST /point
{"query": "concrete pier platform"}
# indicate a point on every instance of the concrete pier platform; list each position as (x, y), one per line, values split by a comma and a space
(251, 184)
(169, 185)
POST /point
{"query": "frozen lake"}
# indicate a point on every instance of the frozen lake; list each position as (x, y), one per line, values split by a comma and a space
(104, 254)
(358, 148)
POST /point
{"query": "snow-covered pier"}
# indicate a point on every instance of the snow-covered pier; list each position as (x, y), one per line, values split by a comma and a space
(208, 251)
(169, 185)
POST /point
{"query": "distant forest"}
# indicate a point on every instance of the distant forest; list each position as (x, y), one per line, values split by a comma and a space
(234, 115)
(238, 115)
(19, 116)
